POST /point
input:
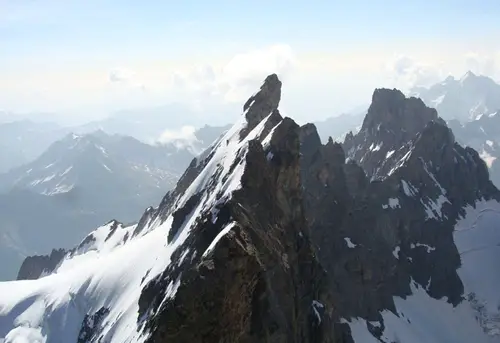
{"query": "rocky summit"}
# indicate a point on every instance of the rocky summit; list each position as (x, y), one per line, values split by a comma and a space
(391, 122)
(272, 236)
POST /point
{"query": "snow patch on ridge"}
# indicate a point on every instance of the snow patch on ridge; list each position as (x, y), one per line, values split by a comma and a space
(408, 188)
(426, 246)
(487, 157)
(393, 203)
(433, 208)
(396, 251)
(436, 102)
(349, 243)
(374, 147)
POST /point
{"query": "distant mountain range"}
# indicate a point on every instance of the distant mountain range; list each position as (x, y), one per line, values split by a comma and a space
(148, 124)
(81, 181)
(465, 99)
(32, 223)
(483, 135)
(337, 127)
(101, 171)
(23, 141)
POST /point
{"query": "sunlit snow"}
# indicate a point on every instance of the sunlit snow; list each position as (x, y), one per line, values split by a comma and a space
(350, 244)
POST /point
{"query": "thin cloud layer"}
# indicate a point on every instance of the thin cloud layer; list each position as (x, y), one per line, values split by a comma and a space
(120, 75)
(240, 75)
(184, 134)
(406, 72)
(483, 64)
(324, 83)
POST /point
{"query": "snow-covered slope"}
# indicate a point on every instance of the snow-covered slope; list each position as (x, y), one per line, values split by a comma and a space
(421, 318)
(465, 99)
(477, 238)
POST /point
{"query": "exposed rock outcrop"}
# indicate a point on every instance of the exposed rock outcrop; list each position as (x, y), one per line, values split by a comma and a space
(35, 266)
(262, 103)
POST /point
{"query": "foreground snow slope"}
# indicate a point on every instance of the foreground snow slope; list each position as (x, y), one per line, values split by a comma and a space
(421, 318)
(477, 237)
(111, 266)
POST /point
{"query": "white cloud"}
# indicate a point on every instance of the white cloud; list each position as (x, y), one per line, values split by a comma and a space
(316, 83)
(402, 65)
(406, 72)
(238, 77)
(126, 77)
(120, 75)
(246, 71)
(182, 137)
(484, 64)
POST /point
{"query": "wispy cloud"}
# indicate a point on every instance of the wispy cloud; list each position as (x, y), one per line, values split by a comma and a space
(486, 64)
(183, 138)
(238, 76)
(126, 78)
(408, 72)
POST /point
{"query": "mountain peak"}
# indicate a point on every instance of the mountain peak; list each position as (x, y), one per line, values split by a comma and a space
(392, 121)
(391, 109)
(465, 99)
(467, 76)
(449, 79)
(264, 102)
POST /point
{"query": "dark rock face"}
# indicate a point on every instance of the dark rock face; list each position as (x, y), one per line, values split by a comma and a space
(91, 326)
(263, 103)
(261, 282)
(179, 216)
(405, 117)
(35, 266)
(336, 204)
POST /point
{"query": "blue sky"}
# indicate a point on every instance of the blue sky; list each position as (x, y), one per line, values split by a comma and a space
(57, 55)
(53, 25)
